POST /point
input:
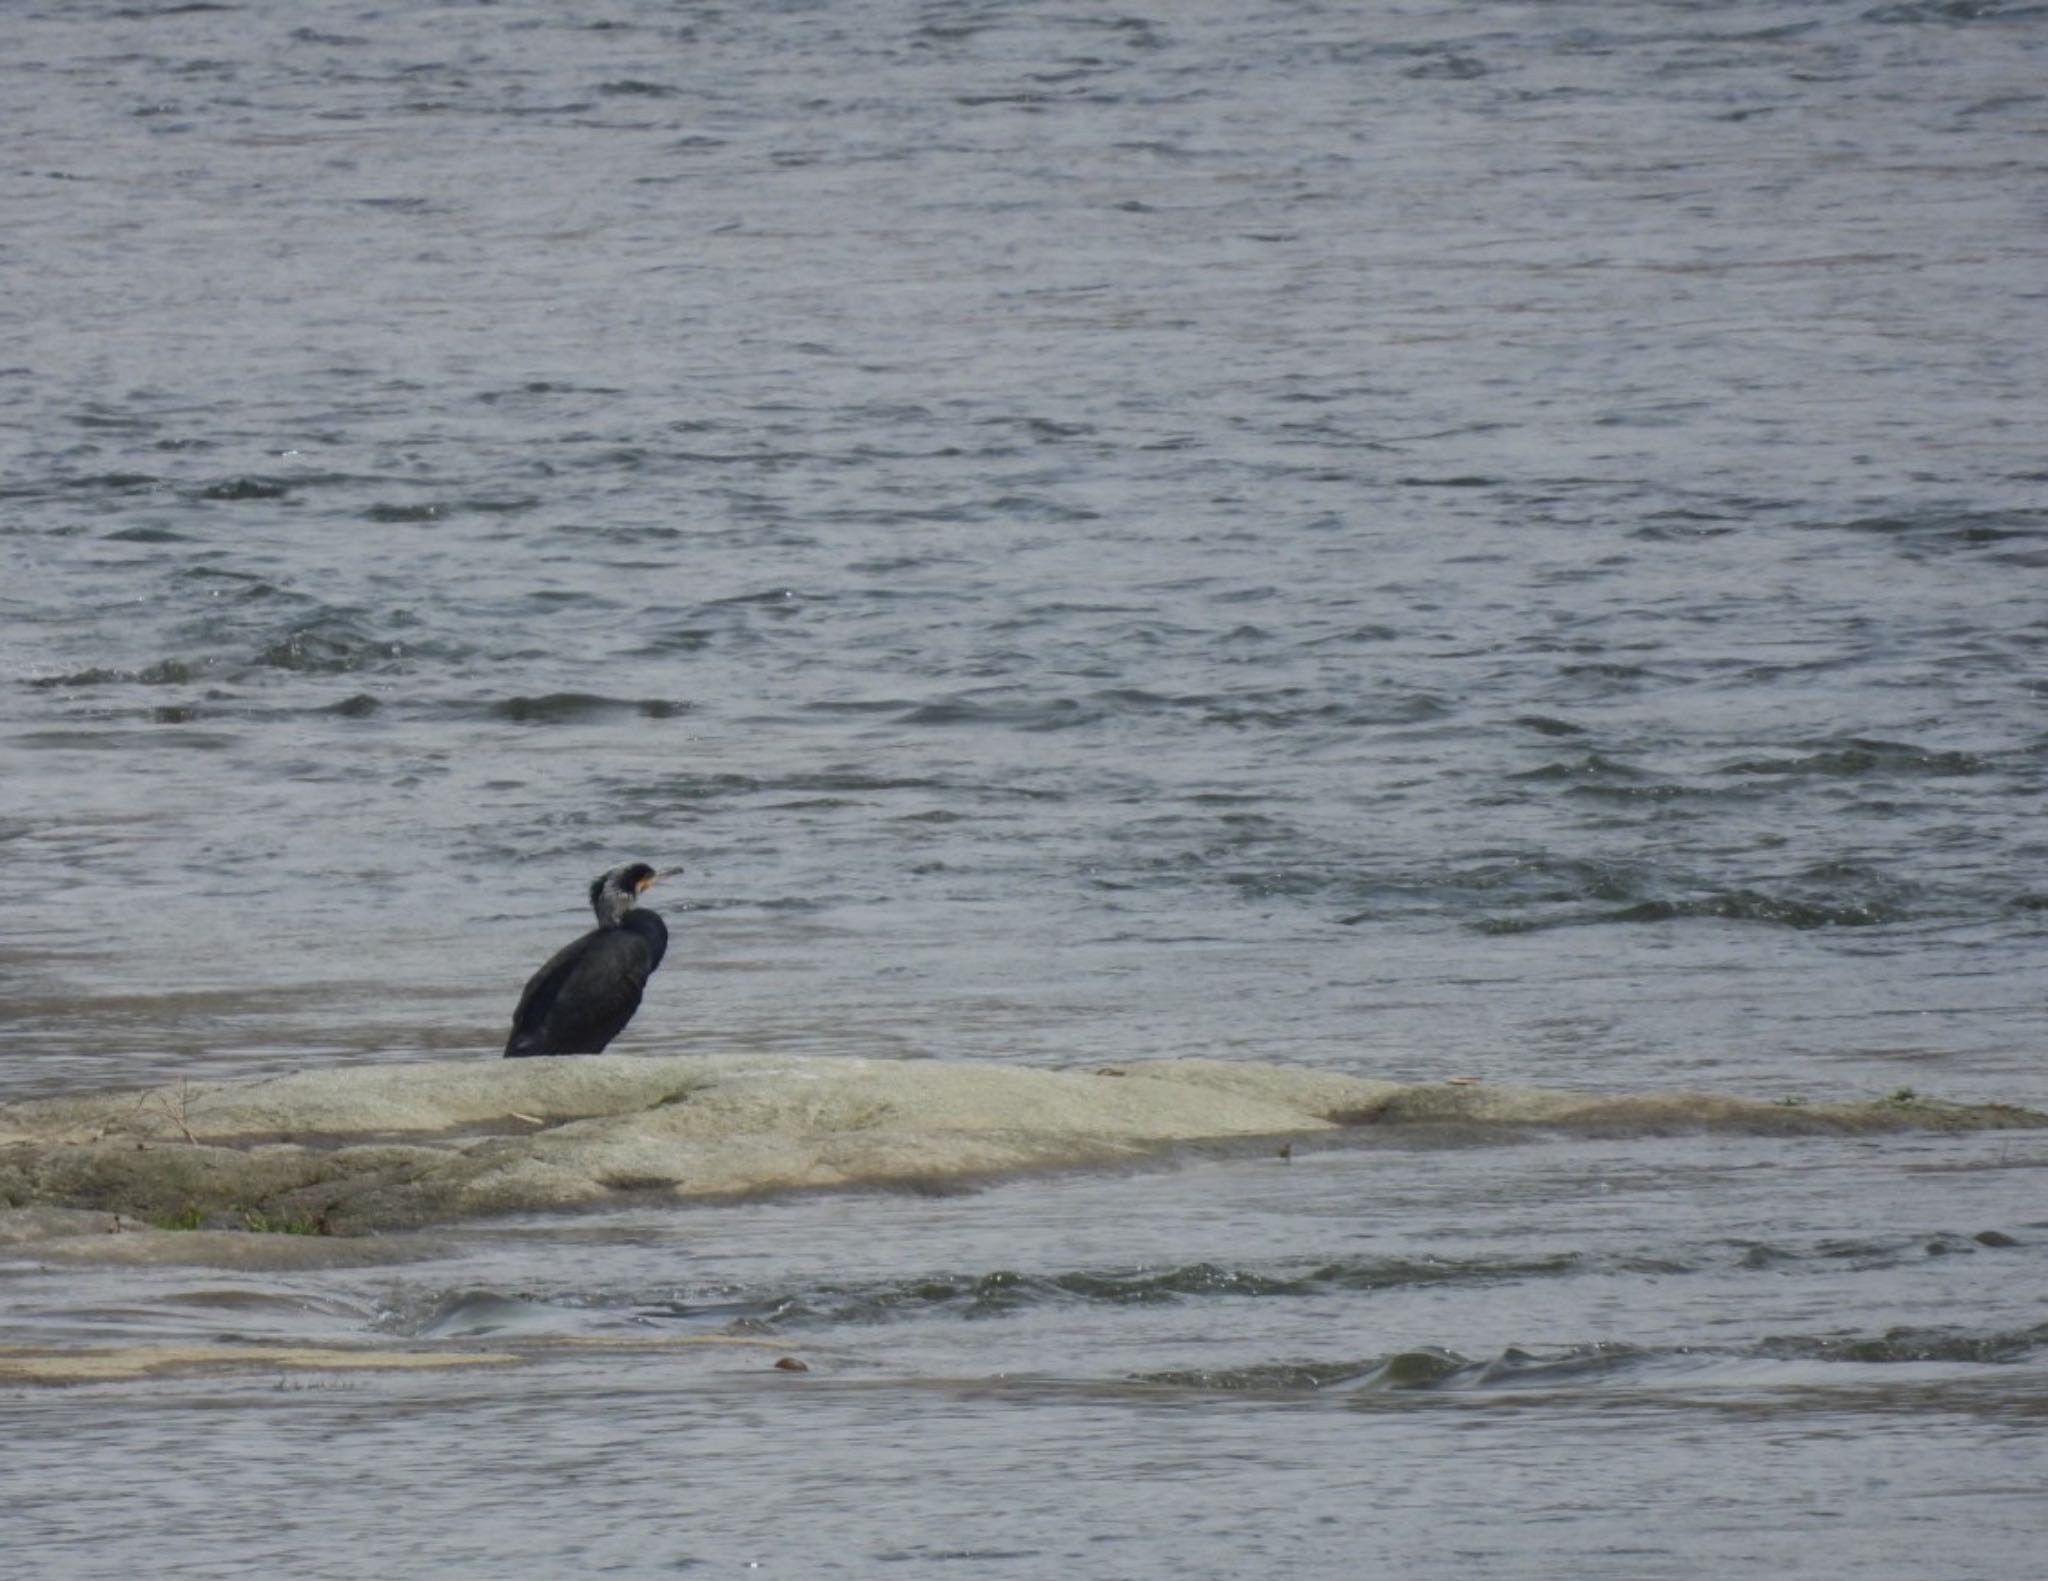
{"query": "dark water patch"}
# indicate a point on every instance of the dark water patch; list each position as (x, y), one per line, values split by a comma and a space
(1860, 1253)
(1044, 429)
(544, 387)
(1283, 883)
(1652, 792)
(1748, 905)
(122, 740)
(147, 535)
(1954, 13)
(1294, 1377)
(245, 488)
(1544, 725)
(400, 515)
(1909, 1344)
(774, 600)
(115, 483)
(181, 8)
(1856, 757)
(1543, 877)
(165, 672)
(1277, 710)
(246, 585)
(1004, 1292)
(680, 639)
(859, 782)
(309, 35)
(1682, 527)
(1945, 529)
(333, 646)
(843, 708)
(474, 1313)
(1421, 1369)
(1448, 68)
(1273, 708)
(1611, 671)
(1591, 767)
(569, 708)
(1059, 713)
(1834, 893)
(359, 706)
(1575, 1367)
(1730, 905)
(1360, 635)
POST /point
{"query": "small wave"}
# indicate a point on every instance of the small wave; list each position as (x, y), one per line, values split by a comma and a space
(569, 708)
(123, 740)
(245, 488)
(1593, 766)
(1572, 1367)
(1952, 13)
(1544, 725)
(1426, 1367)
(1540, 876)
(1285, 1377)
(147, 535)
(1925, 535)
(473, 1313)
(679, 639)
(776, 598)
(1449, 68)
(165, 672)
(1733, 905)
(1910, 1345)
(1855, 758)
(328, 647)
(115, 482)
(1004, 1291)
(1748, 905)
(1059, 713)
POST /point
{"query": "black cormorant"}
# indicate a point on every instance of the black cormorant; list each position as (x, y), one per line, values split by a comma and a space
(588, 990)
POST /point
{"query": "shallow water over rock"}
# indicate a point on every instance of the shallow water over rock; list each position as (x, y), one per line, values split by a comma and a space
(1298, 1358)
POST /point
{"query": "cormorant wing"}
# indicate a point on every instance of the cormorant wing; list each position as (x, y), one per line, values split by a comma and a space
(584, 996)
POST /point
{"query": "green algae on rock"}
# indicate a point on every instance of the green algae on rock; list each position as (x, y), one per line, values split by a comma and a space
(387, 1146)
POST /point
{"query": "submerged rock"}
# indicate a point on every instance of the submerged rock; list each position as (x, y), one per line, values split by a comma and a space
(383, 1146)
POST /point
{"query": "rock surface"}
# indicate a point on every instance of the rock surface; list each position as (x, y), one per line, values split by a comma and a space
(389, 1146)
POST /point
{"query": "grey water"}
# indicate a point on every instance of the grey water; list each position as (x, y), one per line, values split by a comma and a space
(1447, 539)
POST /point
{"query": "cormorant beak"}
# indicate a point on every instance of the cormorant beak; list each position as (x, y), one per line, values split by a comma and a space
(654, 878)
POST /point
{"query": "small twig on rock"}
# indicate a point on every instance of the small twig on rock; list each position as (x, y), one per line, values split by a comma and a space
(176, 1115)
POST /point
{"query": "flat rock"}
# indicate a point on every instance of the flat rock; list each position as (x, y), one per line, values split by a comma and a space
(107, 1364)
(48, 1364)
(370, 1147)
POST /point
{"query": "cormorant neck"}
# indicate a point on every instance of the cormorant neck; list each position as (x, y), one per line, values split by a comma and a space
(613, 910)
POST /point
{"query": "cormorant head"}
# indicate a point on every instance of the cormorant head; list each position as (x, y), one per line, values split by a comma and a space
(614, 893)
